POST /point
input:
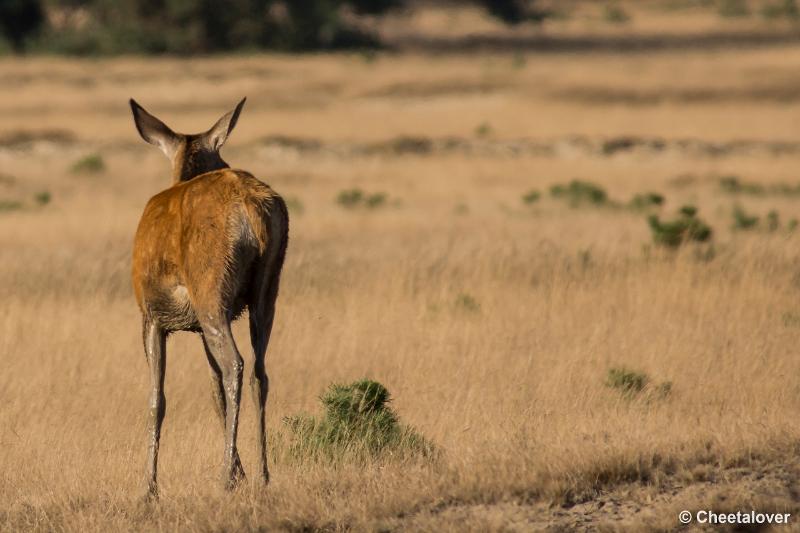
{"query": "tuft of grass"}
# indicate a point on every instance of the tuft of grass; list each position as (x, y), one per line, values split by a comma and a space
(773, 221)
(350, 198)
(791, 319)
(375, 200)
(467, 302)
(10, 205)
(684, 228)
(579, 192)
(662, 390)
(631, 383)
(646, 200)
(368, 55)
(733, 8)
(614, 14)
(628, 382)
(733, 185)
(90, 164)
(357, 423)
(531, 197)
(781, 9)
(43, 197)
(743, 221)
(484, 129)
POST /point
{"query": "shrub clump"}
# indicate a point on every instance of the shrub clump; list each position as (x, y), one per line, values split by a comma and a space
(615, 14)
(357, 423)
(787, 9)
(733, 8)
(91, 164)
(684, 228)
(646, 200)
(733, 185)
(352, 198)
(43, 197)
(531, 197)
(742, 220)
(632, 383)
(467, 302)
(10, 205)
(629, 382)
(579, 192)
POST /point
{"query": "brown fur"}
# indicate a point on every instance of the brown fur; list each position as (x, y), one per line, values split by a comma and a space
(206, 248)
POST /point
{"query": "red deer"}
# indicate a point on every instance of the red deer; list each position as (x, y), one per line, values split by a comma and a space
(206, 248)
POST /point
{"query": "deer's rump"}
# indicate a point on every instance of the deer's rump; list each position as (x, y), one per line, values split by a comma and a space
(200, 244)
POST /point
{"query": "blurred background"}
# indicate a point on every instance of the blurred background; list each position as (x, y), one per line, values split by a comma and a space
(563, 234)
(91, 27)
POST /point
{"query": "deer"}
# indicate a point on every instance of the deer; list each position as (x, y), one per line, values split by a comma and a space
(206, 248)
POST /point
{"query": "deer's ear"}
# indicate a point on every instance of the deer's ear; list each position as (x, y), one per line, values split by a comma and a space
(218, 134)
(154, 131)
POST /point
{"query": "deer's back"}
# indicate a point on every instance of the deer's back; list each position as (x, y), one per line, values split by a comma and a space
(196, 244)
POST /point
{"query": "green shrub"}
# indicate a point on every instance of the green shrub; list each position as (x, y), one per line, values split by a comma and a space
(743, 221)
(628, 382)
(773, 221)
(350, 198)
(90, 164)
(631, 383)
(43, 197)
(733, 185)
(579, 192)
(733, 8)
(375, 200)
(781, 9)
(531, 197)
(357, 423)
(791, 319)
(10, 205)
(615, 14)
(467, 302)
(483, 130)
(647, 200)
(684, 228)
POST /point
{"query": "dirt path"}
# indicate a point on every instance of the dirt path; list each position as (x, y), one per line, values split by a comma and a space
(763, 488)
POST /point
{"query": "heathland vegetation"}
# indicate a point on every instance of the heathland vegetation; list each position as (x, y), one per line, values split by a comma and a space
(524, 289)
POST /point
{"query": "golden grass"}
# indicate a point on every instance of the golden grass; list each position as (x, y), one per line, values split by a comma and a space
(512, 391)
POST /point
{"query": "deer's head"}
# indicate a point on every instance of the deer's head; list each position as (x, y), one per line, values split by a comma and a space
(190, 154)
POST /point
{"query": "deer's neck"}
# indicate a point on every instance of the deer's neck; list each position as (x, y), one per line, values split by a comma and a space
(190, 162)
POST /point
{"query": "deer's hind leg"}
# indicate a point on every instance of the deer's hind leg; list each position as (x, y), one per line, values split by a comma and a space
(218, 338)
(218, 397)
(155, 341)
(262, 315)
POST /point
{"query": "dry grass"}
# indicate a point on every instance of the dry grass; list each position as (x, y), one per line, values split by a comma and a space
(510, 385)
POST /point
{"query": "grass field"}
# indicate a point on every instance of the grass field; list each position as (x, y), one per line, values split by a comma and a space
(493, 322)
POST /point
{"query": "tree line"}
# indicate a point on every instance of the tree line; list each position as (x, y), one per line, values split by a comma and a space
(204, 26)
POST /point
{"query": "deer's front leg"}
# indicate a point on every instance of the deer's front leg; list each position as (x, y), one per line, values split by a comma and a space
(155, 350)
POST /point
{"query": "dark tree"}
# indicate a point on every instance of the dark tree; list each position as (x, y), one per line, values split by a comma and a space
(513, 11)
(20, 19)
